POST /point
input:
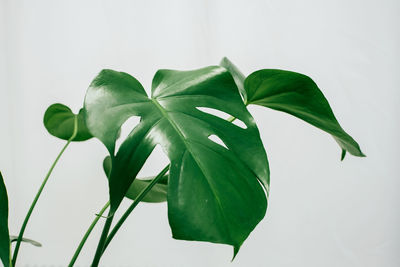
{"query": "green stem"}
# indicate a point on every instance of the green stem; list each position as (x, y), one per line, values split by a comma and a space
(231, 119)
(100, 246)
(35, 200)
(133, 206)
(85, 237)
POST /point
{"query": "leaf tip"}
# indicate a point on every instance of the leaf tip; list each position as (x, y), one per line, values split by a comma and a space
(359, 154)
(343, 155)
(236, 249)
(224, 59)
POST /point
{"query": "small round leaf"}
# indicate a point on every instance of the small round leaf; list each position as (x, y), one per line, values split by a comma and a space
(59, 122)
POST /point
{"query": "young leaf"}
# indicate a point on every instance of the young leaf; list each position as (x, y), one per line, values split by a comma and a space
(213, 192)
(4, 235)
(237, 76)
(157, 194)
(298, 95)
(59, 122)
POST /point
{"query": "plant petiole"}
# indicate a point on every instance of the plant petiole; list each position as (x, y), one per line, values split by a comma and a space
(85, 237)
(35, 200)
(133, 206)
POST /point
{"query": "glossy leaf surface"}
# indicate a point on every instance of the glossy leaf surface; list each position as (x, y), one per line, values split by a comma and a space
(59, 122)
(237, 76)
(157, 194)
(213, 192)
(4, 235)
(298, 95)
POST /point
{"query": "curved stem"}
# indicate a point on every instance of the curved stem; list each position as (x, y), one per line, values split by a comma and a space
(85, 237)
(133, 206)
(35, 200)
(100, 246)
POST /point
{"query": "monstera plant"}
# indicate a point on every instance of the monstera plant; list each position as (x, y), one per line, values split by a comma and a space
(217, 182)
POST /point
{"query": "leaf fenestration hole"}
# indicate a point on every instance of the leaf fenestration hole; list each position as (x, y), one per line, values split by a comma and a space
(239, 123)
(126, 128)
(154, 163)
(217, 140)
(215, 112)
(222, 115)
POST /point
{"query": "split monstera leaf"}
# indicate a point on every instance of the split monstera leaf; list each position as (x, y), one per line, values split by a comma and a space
(216, 191)
(229, 200)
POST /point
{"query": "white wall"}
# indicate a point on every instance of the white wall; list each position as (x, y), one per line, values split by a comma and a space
(322, 212)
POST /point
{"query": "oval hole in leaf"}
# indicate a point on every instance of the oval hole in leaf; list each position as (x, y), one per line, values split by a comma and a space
(222, 115)
(239, 123)
(217, 140)
(215, 112)
(125, 130)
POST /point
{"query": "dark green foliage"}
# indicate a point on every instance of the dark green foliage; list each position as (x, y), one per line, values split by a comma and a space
(213, 191)
(216, 191)
(297, 94)
(237, 76)
(59, 121)
(293, 93)
(4, 235)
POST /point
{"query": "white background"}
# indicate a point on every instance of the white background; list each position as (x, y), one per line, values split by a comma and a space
(322, 212)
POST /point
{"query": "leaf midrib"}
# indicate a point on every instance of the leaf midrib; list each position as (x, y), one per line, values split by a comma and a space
(187, 145)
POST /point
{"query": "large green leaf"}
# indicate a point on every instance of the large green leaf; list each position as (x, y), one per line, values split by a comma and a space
(298, 95)
(214, 192)
(157, 194)
(59, 122)
(4, 235)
